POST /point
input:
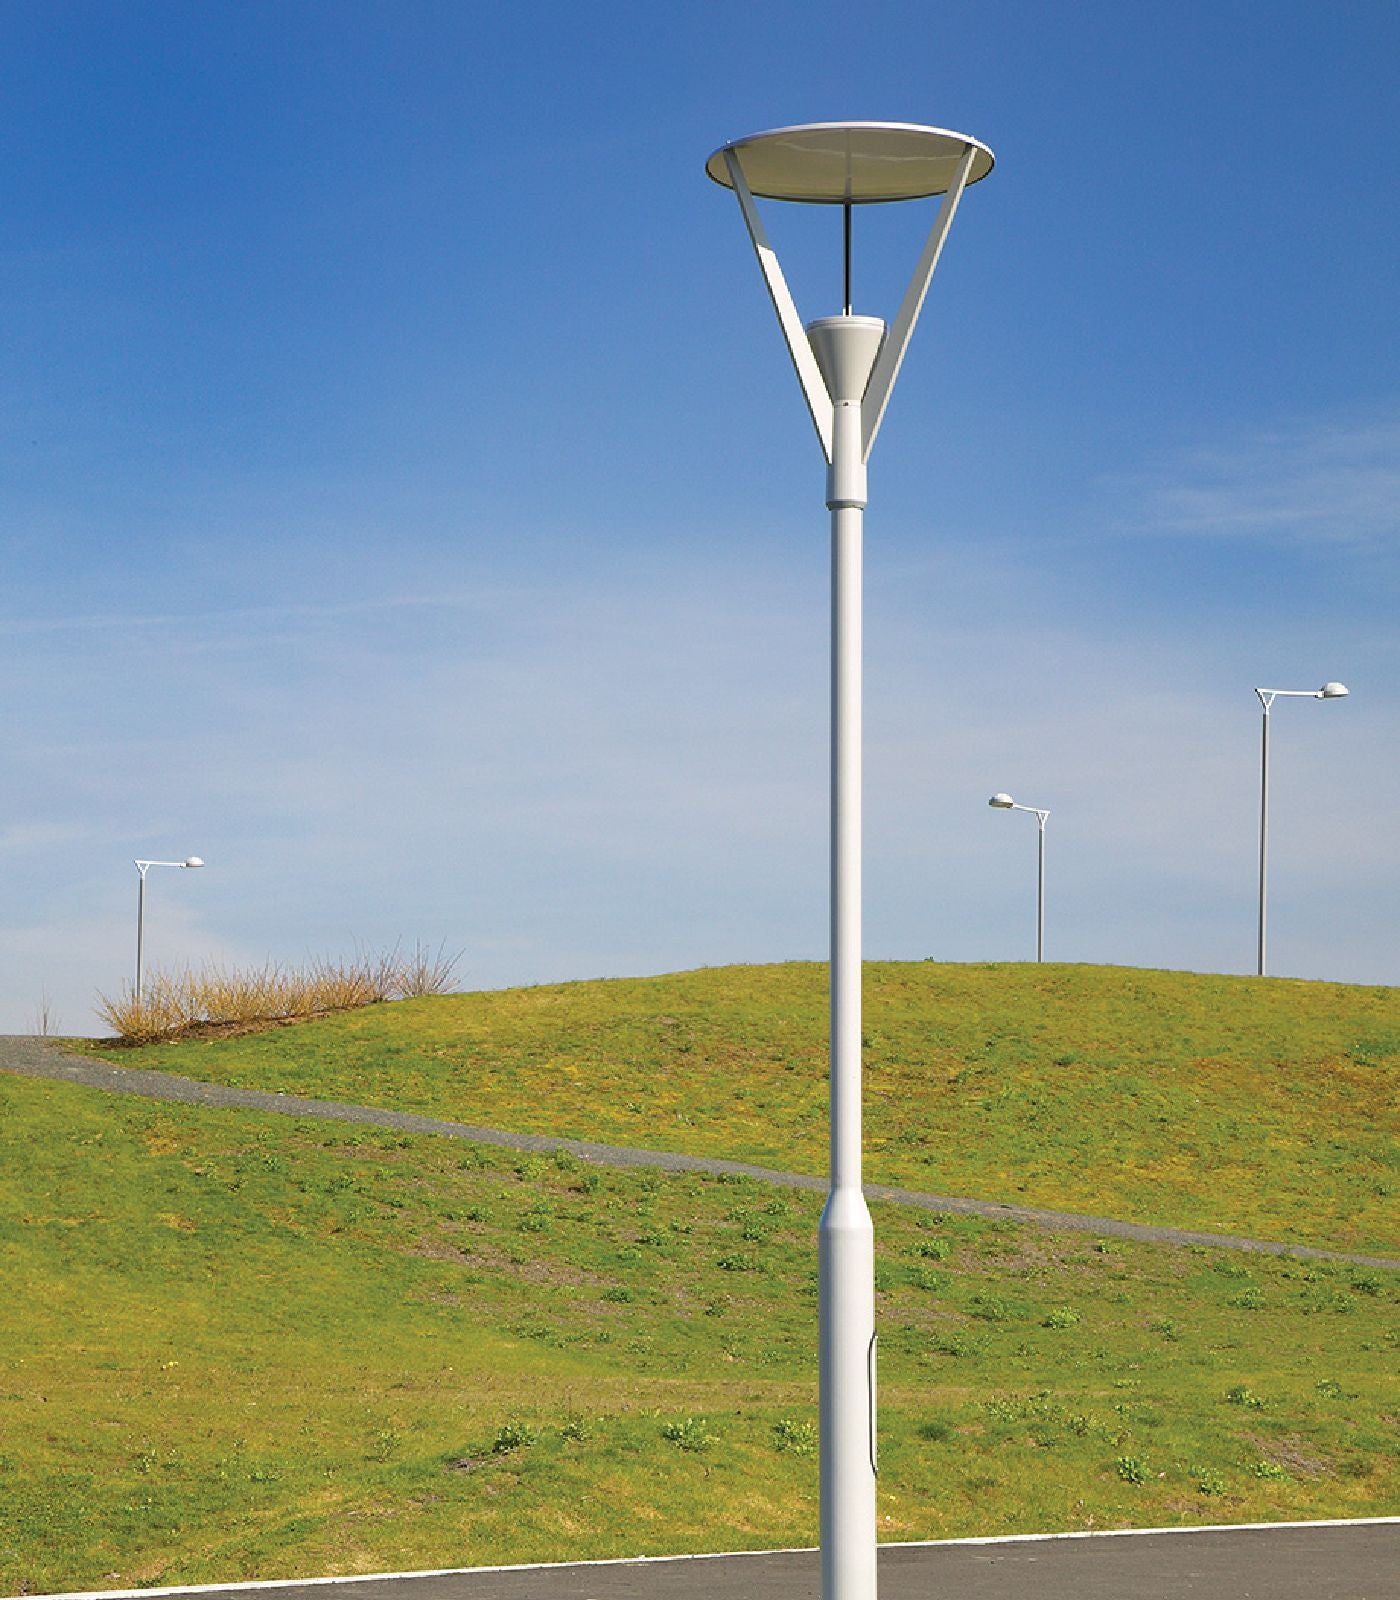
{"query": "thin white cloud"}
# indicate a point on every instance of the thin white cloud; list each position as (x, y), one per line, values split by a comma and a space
(590, 780)
(22, 837)
(241, 618)
(1324, 483)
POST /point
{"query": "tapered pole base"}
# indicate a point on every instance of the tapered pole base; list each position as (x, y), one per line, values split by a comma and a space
(846, 1262)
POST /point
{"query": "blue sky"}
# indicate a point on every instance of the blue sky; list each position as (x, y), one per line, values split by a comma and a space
(406, 503)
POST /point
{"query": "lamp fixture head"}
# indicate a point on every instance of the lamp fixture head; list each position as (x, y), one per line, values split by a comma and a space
(1332, 691)
(851, 163)
(192, 861)
(1003, 802)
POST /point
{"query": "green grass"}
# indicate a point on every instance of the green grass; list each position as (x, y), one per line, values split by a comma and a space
(237, 1346)
(1259, 1107)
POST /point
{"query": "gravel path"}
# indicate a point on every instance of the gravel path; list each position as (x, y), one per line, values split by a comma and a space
(32, 1057)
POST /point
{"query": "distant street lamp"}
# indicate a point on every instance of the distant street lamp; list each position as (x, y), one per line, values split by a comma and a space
(1004, 802)
(143, 867)
(1329, 691)
(846, 366)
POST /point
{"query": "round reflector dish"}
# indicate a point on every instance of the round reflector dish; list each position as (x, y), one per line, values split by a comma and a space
(856, 163)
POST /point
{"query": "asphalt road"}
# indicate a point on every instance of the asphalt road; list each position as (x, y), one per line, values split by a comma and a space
(1321, 1561)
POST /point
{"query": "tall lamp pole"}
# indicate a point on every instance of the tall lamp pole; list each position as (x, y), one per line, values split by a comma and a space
(1004, 802)
(846, 366)
(1329, 691)
(143, 867)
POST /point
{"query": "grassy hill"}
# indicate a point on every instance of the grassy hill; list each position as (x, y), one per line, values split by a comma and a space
(1262, 1107)
(239, 1346)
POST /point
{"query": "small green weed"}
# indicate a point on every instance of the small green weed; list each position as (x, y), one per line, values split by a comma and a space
(1208, 1480)
(990, 1308)
(512, 1435)
(736, 1261)
(798, 1438)
(690, 1434)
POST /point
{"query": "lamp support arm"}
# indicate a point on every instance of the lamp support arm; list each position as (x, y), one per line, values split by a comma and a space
(887, 364)
(794, 334)
(1035, 811)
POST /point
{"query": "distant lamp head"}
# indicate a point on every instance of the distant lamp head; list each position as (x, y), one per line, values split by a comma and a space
(1332, 691)
(1003, 802)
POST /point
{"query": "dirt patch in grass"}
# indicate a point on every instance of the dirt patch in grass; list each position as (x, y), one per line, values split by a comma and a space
(489, 1258)
(440, 1250)
(1292, 1454)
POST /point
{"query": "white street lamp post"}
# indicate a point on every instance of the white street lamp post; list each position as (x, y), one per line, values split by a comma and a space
(846, 366)
(143, 867)
(1329, 691)
(1004, 802)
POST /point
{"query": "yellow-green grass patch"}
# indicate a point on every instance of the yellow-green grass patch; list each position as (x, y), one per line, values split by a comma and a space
(1239, 1105)
(240, 1346)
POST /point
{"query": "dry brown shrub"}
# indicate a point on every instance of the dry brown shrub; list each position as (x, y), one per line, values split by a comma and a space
(425, 972)
(173, 1003)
